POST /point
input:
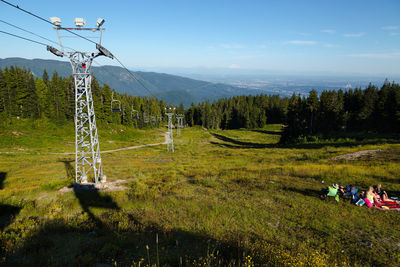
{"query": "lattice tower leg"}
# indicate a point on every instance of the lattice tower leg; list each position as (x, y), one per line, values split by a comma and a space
(87, 147)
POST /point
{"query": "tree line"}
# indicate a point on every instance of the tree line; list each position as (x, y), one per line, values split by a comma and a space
(370, 110)
(239, 112)
(355, 110)
(24, 96)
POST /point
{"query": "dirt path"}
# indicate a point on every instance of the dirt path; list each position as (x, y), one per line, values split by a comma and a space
(166, 135)
(358, 154)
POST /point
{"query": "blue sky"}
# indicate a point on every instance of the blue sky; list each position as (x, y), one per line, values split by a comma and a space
(336, 37)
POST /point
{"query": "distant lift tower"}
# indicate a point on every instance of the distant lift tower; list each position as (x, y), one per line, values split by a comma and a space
(180, 124)
(170, 141)
(87, 147)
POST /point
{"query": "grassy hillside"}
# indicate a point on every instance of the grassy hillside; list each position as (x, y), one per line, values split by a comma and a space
(224, 197)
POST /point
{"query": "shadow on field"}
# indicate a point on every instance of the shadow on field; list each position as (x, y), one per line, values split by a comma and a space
(267, 132)
(121, 239)
(233, 143)
(111, 236)
(7, 212)
(3, 176)
(89, 197)
(68, 168)
(393, 193)
(239, 144)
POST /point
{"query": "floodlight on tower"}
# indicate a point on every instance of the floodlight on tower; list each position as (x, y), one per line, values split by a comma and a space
(79, 22)
(100, 22)
(56, 21)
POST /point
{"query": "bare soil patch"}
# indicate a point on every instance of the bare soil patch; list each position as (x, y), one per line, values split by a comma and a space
(15, 133)
(118, 185)
(358, 155)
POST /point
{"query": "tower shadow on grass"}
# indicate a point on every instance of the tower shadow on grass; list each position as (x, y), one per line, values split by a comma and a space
(7, 215)
(116, 236)
(109, 245)
(90, 197)
(3, 176)
(68, 168)
(7, 212)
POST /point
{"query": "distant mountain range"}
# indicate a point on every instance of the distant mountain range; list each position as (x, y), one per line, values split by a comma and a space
(170, 88)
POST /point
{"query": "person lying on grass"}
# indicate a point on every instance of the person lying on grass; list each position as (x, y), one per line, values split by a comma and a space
(382, 193)
(342, 191)
(370, 197)
(360, 201)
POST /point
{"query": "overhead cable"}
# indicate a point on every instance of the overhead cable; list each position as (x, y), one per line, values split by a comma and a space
(112, 74)
(27, 39)
(134, 76)
(45, 20)
(44, 38)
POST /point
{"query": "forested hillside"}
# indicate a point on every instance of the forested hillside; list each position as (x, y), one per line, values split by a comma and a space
(24, 96)
(170, 88)
(373, 109)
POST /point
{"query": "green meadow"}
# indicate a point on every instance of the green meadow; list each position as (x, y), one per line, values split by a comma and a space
(223, 198)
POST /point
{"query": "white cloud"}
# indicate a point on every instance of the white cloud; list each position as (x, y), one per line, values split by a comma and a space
(304, 33)
(377, 55)
(329, 45)
(394, 33)
(330, 31)
(234, 66)
(354, 34)
(301, 42)
(390, 28)
(263, 46)
(232, 46)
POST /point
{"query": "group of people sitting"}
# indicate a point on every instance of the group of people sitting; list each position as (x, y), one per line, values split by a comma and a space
(374, 195)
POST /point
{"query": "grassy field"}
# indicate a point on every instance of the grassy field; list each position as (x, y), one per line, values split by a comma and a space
(223, 198)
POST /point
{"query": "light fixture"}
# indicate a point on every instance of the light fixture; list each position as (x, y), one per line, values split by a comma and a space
(56, 21)
(79, 22)
(100, 22)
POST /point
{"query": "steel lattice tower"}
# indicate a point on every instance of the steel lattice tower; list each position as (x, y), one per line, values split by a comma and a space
(170, 143)
(87, 147)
